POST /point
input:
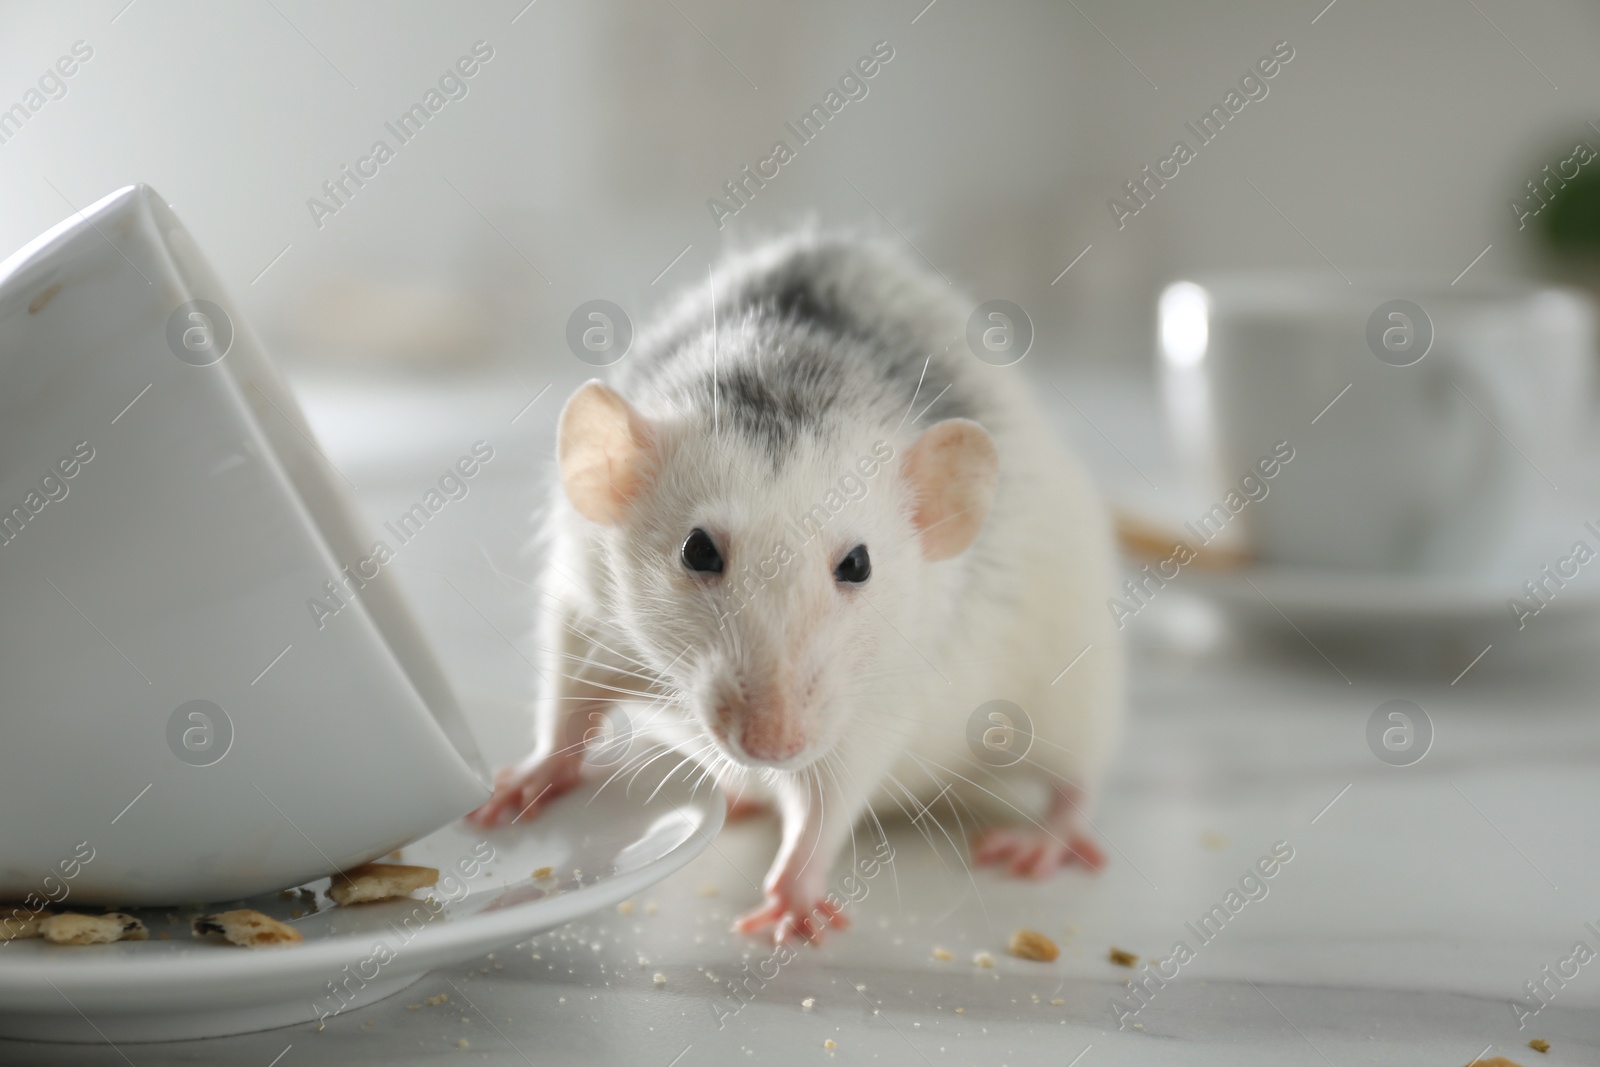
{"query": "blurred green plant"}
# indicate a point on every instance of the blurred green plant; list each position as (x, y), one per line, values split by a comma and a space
(1569, 227)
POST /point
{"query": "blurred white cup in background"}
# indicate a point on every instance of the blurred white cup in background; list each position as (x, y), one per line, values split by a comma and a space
(1421, 417)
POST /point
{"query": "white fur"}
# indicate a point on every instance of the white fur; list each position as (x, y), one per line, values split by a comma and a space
(885, 677)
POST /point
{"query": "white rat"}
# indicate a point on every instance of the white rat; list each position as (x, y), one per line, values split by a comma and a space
(802, 538)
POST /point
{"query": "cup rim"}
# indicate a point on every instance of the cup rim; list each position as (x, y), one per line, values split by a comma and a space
(1299, 290)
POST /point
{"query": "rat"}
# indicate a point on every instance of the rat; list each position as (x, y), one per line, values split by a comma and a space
(802, 538)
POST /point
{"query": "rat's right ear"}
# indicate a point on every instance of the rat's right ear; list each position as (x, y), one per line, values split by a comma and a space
(605, 450)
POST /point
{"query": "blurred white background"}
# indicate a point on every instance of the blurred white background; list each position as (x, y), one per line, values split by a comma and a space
(587, 147)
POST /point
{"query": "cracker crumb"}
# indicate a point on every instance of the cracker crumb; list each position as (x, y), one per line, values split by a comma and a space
(1032, 945)
(650, 907)
(984, 960)
(961, 1011)
(463, 1043)
(625, 908)
(1057, 1001)
(829, 1043)
(659, 978)
(18, 924)
(1539, 1044)
(70, 928)
(542, 873)
(809, 1003)
(248, 928)
(437, 999)
(379, 881)
(397, 855)
(1498, 1061)
(1121, 958)
(942, 953)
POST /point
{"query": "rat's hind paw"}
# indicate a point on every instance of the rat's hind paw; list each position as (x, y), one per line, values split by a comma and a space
(1032, 852)
(786, 918)
(521, 792)
(740, 807)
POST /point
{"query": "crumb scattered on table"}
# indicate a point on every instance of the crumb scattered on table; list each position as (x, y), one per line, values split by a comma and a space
(1122, 958)
(1539, 1044)
(941, 953)
(1032, 945)
(808, 1003)
(983, 959)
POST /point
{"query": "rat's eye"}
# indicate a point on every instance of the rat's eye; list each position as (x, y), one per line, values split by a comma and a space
(855, 567)
(700, 554)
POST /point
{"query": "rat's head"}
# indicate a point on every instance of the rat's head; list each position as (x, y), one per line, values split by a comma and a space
(768, 592)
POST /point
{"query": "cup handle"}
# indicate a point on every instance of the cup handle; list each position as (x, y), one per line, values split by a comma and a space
(1489, 472)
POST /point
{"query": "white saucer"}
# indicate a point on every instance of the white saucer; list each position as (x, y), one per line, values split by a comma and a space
(620, 837)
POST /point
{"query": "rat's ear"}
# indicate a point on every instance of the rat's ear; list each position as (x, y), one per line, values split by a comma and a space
(605, 450)
(953, 469)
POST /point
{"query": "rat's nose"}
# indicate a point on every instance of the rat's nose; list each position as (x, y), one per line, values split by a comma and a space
(767, 728)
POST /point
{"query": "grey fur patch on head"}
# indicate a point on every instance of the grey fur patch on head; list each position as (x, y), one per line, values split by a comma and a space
(810, 331)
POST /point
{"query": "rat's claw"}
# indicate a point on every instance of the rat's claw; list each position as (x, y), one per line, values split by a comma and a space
(740, 808)
(521, 792)
(1031, 852)
(782, 915)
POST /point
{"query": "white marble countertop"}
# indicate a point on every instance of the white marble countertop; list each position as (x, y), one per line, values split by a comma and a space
(1418, 901)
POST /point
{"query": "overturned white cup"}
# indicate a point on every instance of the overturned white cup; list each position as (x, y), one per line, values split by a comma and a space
(177, 725)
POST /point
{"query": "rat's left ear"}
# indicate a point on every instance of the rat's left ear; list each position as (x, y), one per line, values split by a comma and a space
(952, 469)
(605, 450)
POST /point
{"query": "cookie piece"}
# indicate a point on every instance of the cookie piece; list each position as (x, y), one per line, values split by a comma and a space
(1032, 945)
(18, 924)
(248, 928)
(380, 881)
(71, 928)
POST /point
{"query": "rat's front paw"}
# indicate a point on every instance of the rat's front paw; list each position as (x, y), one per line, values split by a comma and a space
(1033, 852)
(785, 913)
(521, 791)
